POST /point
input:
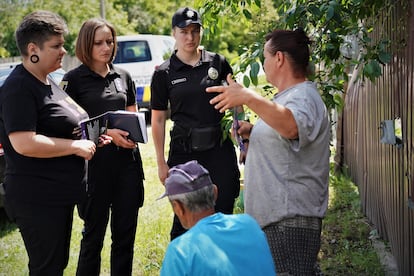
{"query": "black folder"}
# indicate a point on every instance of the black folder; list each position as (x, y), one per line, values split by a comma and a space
(133, 122)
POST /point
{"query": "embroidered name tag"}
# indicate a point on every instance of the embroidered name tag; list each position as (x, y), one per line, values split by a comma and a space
(173, 82)
(118, 85)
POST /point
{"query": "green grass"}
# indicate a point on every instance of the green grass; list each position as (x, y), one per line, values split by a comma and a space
(154, 222)
(346, 248)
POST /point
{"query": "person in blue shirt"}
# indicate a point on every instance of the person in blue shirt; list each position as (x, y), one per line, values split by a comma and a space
(214, 243)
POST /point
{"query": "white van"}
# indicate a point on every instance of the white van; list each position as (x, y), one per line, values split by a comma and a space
(140, 55)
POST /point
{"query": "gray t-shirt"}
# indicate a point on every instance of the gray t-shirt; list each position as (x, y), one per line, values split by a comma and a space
(285, 178)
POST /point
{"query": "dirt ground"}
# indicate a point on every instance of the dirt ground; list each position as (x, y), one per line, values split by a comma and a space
(386, 258)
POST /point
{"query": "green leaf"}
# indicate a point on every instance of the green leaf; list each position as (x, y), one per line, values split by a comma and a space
(254, 68)
(314, 10)
(384, 57)
(330, 13)
(254, 71)
(372, 70)
(255, 80)
(247, 14)
(246, 81)
(256, 53)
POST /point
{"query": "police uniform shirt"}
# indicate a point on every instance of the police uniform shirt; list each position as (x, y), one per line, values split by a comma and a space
(185, 87)
(97, 96)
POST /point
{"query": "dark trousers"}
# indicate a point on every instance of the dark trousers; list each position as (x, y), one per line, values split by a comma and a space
(116, 192)
(221, 162)
(46, 232)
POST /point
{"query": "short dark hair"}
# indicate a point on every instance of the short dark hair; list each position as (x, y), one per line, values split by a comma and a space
(37, 27)
(295, 44)
(86, 36)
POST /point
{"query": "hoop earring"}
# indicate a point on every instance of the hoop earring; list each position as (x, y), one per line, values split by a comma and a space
(34, 58)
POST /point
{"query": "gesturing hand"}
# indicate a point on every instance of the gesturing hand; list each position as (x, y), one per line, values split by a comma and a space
(230, 95)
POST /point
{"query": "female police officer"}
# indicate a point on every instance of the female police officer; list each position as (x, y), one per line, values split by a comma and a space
(197, 135)
(115, 174)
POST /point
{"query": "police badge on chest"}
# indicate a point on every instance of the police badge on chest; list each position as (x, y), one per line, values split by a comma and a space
(212, 77)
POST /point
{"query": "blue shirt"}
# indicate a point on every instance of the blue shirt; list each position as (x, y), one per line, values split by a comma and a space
(220, 245)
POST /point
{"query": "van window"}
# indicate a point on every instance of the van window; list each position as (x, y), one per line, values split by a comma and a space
(133, 51)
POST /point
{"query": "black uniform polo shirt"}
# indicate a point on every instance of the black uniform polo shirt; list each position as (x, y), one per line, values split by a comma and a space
(97, 94)
(184, 87)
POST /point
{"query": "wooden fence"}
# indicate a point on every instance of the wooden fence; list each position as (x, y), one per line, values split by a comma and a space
(384, 170)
